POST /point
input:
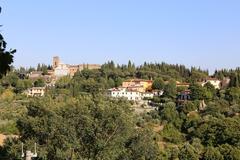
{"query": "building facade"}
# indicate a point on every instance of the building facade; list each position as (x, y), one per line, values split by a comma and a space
(131, 95)
(214, 81)
(140, 85)
(133, 89)
(61, 69)
(36, 91)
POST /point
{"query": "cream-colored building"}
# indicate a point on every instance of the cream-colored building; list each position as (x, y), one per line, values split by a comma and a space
(134, 90)
(131, 95)
(124, 93)
(182, 84)
(214, 81)
(36, 91)
(139, 85)
(61, 69)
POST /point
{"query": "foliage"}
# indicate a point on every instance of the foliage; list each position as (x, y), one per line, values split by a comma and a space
(76, 120)
(142, 146)
(172, 135)
(39, 83)
(89, 128)
(170, 114)
(6, 57)
(158, 84)
(218, 131)
(197, 92)
(188, 152)
(212, 153)
(63, 82)
(7, 95)
(170, 90)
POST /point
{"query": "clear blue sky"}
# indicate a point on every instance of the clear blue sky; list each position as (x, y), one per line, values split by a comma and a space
(202, 33)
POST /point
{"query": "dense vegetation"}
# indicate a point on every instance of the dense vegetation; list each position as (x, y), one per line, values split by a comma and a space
(76, 119)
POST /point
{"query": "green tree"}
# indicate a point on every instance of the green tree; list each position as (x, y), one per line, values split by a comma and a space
(11, 150)
(233, 95)
(196, 143)
(234, 79)
(172, 135)
(210, 88)
(39, 83)
(141, 146)
(87, 128)
(6, 57)
(197, 92)
(188, 107)
(170, 90)
(7, 95)
(170, 114)
(217, 131)
(212, 154)
(20, 86)
(188, 152)
(158, 84)
(63, 82)
(111, 83)
(10, 80)
(118, 82)
(229, 152)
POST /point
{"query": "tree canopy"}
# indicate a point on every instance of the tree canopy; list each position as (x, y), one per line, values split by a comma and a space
(6, 57)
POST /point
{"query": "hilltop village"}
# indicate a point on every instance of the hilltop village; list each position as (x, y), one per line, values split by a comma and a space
(134, 89)
(142, 92)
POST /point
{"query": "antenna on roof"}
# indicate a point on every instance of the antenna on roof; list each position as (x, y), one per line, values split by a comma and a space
(22, 151)
(29, 155)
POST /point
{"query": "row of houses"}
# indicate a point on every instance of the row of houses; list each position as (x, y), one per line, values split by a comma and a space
(218, 84)
(35, 91)
(139, 89)
(132, 95)
(134, 90)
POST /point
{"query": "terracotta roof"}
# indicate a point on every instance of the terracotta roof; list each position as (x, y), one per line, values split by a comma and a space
(138, 80)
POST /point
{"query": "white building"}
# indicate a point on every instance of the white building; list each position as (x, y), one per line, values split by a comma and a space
(61, 70)
(147, 95)
(215, 82)
(131, 95)
(35, 91)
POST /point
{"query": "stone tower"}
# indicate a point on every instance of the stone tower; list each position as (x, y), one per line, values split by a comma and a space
(56, 62)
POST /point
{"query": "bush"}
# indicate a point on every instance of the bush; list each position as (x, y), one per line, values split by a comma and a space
(8, 127)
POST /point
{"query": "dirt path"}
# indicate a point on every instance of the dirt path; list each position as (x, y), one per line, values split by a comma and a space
(3, 137)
